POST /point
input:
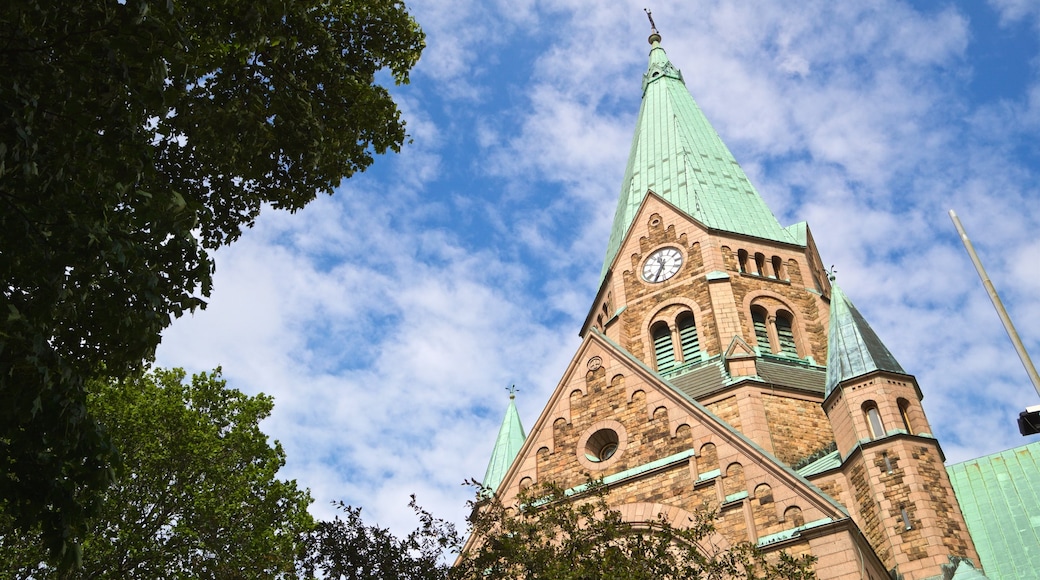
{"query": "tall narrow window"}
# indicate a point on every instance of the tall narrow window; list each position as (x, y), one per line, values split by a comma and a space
(877, 428)
(664, 350)
(904, 413)
(778, 268)
(742, 257)
(758, 317)
(689, 344)
(760, 264)
(785, 335)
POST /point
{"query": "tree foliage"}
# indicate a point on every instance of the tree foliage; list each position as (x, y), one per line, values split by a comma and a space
(552, 536)
(200, 497)
(348, 549)
(135, 135)
(547, 535)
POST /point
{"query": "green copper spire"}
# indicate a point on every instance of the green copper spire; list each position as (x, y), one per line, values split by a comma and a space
(510, 439)
(678, 155)
(853, 349)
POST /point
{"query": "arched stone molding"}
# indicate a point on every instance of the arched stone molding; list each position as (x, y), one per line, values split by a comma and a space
(637, 513)
(632, 395)
(773, 304)
(677, 426)
(793, 516)
(592, 431)
(734, 481)
(669, 314)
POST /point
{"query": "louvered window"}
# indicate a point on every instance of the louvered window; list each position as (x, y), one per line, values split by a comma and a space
(761, 332)
(689, 344)
(664, 350)
(786, 336)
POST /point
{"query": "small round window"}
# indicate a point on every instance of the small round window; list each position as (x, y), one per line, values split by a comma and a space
(602, 445)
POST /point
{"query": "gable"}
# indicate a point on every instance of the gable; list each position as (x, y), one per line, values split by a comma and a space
(670, 451)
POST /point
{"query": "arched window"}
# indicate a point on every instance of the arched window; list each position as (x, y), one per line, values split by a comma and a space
(760, 264)
(877, 428)
(689, 344)
(785, 334)
(904, 414)
(758, 317)
(778, 268)
(742, 257)
(664, 350)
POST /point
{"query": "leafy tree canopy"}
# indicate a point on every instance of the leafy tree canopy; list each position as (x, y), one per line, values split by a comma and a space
(348, 549)
(135, 135)
(552, 536)
(200, 497)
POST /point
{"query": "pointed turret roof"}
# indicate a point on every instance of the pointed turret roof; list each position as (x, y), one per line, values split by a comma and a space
(853, 348)
(678, 155)
(510, 439)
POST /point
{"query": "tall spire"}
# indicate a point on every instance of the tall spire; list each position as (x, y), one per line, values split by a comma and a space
(853, 349)
(510, 439)
(678, 155)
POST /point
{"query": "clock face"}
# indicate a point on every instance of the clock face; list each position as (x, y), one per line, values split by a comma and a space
(662, 265)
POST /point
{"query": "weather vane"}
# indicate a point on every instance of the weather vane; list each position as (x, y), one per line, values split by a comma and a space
(653, 27)
(512, 391)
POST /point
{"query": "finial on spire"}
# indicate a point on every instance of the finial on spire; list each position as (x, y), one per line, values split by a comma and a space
(654, 35)
(832, 274)
(512, 391)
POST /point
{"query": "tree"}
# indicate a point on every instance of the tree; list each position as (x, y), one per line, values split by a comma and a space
(200, 497)
(348, 549)
(135, 137)
(553, 536)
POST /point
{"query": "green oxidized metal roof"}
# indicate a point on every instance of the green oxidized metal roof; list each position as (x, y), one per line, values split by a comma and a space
(1000, 499)
(678, 155)
(853, 349)
(510, 439)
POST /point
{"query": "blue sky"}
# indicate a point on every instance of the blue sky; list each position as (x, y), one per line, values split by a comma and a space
(388, 320)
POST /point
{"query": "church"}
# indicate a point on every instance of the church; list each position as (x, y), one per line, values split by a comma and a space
(722, 366)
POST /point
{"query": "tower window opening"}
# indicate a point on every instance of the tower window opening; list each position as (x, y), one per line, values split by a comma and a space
(785, 335)
(904, 414)
(689, 343)
(877, 428)
(758, 318)
(664, 350)
(888, 463)
(760, 264)
(778, 267)
(742, 258)
(907, 525)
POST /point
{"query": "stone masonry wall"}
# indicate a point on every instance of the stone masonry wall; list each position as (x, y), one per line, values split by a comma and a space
(797, 427)
(645, 437)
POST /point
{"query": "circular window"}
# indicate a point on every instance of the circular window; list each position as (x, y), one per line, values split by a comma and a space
(602, 445)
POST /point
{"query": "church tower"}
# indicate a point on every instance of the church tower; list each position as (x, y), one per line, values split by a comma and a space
(721, 368)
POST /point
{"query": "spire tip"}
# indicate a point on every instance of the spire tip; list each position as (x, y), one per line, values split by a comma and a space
(654, 35)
